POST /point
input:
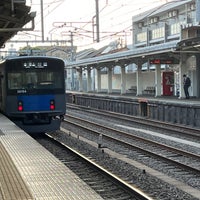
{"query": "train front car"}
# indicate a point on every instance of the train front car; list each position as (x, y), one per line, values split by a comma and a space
(34, 96)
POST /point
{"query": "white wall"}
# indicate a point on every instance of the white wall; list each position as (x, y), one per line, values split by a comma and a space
(148, 78)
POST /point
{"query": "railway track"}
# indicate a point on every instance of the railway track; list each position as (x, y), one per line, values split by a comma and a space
(166, 156)
(174, 160)
(173, 129)
(103, 182)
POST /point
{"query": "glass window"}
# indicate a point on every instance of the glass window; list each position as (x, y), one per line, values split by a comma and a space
(35, 75)
(141, 37)
(38, 79)
(158, 33)
(175, 29)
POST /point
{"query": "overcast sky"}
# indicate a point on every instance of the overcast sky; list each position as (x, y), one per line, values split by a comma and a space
(115, 19)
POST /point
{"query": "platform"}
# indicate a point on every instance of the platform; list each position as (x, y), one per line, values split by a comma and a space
(28, 171)
(169, 109)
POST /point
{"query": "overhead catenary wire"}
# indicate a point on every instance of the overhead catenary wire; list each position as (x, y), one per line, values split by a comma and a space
(115, 16)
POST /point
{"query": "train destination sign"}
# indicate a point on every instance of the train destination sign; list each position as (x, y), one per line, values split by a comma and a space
(36, 65)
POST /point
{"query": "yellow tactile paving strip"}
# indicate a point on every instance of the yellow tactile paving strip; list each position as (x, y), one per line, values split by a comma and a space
(12, 185)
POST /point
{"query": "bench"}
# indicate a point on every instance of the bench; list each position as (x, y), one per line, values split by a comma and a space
(133, 89)
(150, 90)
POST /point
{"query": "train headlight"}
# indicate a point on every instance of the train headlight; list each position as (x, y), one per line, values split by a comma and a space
(52, 105)
(20, 106)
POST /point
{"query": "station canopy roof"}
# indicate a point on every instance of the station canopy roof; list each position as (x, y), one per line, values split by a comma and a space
(14, 14)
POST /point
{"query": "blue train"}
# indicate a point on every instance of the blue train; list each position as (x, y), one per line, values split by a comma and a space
(32, 92)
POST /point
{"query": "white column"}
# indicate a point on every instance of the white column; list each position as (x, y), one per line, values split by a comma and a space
(98, 80)
(182, 70)
(158, 80)
(110, 80)
(89, 81)
(123, 80)
(80, 77)
(139, 80)
(198, 75)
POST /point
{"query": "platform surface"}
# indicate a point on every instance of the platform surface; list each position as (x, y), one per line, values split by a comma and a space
(28, 171)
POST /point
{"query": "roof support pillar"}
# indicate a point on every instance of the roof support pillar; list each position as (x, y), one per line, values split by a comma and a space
(110, 80)
(182, 70)
(98, 80)
(80, 78)
(198, 74)
(123, 80)
(89, 80)
(139, 79)
(158, 80)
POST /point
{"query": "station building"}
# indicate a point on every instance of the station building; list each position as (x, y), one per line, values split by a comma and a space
(166, 42)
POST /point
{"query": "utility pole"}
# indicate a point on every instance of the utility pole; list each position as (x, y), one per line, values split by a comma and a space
(97, 20)
(72, 45)
(42, 20)
(73, 71)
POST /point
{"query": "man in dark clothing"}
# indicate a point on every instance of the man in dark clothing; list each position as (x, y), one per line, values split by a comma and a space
(186, 85)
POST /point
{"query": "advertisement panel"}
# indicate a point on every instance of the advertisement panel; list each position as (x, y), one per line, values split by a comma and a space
(168, 83)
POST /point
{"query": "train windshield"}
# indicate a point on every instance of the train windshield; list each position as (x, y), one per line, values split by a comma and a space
(29, 78)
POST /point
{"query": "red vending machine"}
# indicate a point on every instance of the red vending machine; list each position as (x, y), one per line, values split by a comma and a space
(168, 83)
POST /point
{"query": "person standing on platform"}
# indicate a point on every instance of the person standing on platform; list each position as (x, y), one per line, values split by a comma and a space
(186, 85)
